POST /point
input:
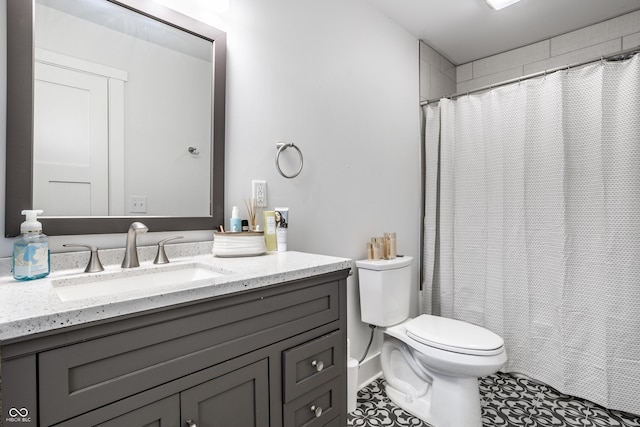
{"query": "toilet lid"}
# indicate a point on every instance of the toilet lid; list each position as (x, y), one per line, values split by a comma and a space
(454, 335)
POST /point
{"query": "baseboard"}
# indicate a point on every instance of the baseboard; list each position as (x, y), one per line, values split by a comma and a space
(369, 370)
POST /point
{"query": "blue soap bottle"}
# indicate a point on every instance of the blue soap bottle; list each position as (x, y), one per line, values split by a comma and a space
(31, 258)
(235, 222)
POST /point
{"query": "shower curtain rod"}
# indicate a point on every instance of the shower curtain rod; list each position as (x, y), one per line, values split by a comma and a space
(624, 54)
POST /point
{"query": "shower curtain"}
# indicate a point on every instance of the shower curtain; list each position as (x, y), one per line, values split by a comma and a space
(532, 225)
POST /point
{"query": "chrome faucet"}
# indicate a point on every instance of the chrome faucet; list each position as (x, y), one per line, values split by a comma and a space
(130, 250)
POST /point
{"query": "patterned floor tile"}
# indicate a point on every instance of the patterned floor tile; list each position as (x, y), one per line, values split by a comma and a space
(507, 401)
(375, 409)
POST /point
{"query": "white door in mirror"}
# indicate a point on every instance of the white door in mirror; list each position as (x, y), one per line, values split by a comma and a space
(70, 142)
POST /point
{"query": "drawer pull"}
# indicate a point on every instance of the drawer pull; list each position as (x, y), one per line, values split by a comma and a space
(191, 424)
(318, 365)
(316, 410)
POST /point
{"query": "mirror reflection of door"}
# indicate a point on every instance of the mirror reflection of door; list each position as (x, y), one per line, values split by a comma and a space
(71, 141)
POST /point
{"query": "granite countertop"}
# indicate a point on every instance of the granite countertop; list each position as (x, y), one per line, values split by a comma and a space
(32, 307)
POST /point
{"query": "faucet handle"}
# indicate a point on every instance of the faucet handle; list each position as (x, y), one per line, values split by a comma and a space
(94, 264)
(161, 256)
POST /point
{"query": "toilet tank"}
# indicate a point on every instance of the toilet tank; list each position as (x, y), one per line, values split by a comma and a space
(385, 290)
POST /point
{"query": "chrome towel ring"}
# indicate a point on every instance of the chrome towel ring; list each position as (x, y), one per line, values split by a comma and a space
(281, 146)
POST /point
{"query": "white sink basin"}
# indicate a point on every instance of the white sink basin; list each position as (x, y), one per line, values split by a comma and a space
(129, 280)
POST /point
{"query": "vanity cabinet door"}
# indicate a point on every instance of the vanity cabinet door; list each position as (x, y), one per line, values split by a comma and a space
(164, 413)
(239, 398)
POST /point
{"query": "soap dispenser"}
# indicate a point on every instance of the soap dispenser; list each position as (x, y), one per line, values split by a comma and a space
(31, 250)
(235, 222)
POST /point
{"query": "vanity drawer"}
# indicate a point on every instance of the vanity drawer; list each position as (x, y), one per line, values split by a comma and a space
(80, 377)
(318, 408)
(333, 423)
(310, 364)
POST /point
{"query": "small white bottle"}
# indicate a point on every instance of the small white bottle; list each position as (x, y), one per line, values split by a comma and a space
(235, 222)
(31, 258)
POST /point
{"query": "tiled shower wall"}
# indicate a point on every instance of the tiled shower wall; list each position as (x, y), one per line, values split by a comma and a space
(437, 74)
(589, 43)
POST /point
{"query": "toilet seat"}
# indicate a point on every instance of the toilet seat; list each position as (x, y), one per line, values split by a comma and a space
(454, 335)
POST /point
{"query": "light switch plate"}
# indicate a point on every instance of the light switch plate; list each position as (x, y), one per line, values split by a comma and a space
(138, 204)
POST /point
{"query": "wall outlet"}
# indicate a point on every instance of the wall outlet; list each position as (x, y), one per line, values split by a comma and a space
(138, 204)
(259, 192)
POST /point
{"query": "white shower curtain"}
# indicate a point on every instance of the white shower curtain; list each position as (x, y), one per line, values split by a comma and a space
(536, 230)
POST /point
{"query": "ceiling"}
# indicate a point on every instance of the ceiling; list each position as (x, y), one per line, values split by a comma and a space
(466, 30)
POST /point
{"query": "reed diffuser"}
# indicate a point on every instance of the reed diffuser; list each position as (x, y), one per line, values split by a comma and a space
(251, 210)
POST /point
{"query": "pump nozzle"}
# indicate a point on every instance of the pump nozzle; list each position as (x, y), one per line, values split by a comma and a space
(32, 215)
(31, 225)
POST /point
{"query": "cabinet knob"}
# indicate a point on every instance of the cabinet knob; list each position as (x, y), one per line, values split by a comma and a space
(316, 410)
(318, 365)
(191, 424)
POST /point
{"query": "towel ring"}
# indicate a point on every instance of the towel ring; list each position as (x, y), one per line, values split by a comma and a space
(281, 147)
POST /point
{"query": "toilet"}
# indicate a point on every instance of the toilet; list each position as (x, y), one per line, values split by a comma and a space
(431, 364)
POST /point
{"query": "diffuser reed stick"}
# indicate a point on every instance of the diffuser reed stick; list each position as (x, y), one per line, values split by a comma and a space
(251, 210)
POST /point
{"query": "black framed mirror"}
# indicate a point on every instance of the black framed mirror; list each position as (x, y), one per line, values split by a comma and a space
(21, 125)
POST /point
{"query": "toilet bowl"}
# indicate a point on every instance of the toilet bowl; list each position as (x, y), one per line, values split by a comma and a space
(438, 381)
(431, 364)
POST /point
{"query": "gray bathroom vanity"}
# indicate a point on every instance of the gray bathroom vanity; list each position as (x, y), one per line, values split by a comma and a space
(261, 344)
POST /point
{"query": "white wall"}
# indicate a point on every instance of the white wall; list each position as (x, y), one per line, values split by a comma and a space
(339, 80)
